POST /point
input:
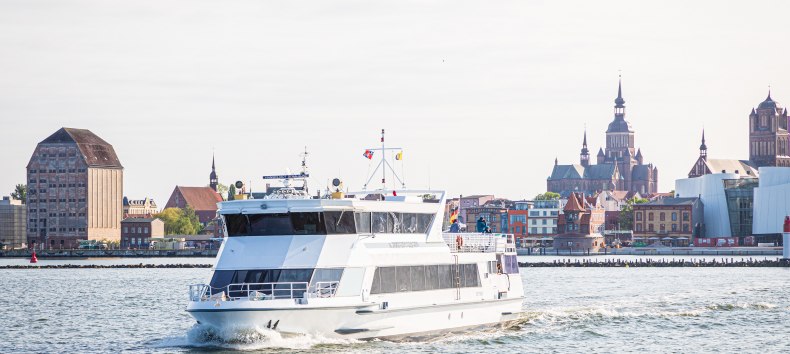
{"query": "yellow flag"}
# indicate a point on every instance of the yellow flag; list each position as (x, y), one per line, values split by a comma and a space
(399, 156)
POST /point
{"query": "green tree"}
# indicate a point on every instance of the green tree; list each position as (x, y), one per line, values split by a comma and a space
(222, 189)
(548, 196)
(626, 219)
(231, 192)
(20, 193)
(180, 221)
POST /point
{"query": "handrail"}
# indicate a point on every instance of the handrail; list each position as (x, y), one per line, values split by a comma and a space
(476, 242)
(263, 291)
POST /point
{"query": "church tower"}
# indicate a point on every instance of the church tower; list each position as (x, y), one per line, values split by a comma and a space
(212, 178)
(620, 140)
(584, 156)
(768, 136)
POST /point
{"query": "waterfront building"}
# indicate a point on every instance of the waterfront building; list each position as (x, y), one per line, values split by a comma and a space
(704, 165)
(136, 233)
(202, 199)
(771, 204)
(139, 208)
(75, 190)
(494, 212)
(471, 201)
(669, 221)
(580, 225)
(543, 219)
(517, 219)
(711, 189)
(620, 167)
(13, 223)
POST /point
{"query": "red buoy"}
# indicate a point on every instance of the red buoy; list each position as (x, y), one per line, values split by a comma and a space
(33, 258)
(787, 224)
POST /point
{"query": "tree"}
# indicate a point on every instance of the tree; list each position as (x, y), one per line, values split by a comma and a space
(222, 189)
(20, 193)
(548, 196)
(626, 218)
(180, 221)
(231, 192)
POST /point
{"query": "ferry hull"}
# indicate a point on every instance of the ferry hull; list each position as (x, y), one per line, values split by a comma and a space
(362, 322)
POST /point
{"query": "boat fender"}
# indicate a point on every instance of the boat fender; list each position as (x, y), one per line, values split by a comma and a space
(269, 325)
(459, 241)
(275, 324)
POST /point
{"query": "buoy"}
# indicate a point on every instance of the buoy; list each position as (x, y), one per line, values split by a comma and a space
(33, 258)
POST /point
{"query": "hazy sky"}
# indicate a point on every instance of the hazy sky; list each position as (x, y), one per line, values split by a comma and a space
(483, 95)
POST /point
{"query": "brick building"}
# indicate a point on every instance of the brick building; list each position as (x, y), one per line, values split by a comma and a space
(669, 221)
(202, 199)
(517, 218)
(136, 233)
(580, 225)
(13, 224)
(620, 167)
(472, 201)
(75, 190)
(494, 212)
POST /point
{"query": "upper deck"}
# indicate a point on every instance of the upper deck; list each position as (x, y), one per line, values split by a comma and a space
(479, 242)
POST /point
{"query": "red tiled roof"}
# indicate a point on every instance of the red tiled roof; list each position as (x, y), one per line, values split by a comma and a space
(199, 198)
(573, 203)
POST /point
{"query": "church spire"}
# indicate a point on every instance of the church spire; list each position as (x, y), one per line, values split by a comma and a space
(703, 149)
(619, 101)
(212, 178)
(584, 156)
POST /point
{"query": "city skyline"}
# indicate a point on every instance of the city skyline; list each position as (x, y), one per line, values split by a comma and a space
(168, 85)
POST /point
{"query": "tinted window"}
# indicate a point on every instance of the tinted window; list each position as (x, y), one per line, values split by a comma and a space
(375, 288)
(403, 277)
(220, 280)
(417, 275)
(363, 222)
(270, 224)
(382, 223)
(340, 222)
(308, 224)
(237, 224)
(418, 278)
(388, 280)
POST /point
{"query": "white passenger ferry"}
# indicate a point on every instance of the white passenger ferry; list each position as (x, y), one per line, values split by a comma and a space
(367, 265)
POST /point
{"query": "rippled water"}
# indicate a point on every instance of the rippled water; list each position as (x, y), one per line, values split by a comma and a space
(567, 310)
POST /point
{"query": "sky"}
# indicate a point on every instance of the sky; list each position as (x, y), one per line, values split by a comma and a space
(481, 95)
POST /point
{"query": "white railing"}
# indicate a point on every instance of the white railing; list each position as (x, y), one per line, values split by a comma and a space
(476, 242)
(263, 291)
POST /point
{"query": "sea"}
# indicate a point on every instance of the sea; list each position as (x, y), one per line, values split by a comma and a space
(566, 310)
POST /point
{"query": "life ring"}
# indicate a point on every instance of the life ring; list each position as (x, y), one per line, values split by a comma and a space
(459, 241)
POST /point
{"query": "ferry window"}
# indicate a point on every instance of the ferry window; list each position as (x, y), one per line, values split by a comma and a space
(388, 280)
(424, 222)
(375, 288)
(237, 224)
(446, 276)
(326, 275)
(511, 264)
(409, 223)
(382, 223)
(340, 222)
(403, 278)
(220, 280)
(417, 275)
(432, 277)
(308, 224)
(270, 224)
(363, 222)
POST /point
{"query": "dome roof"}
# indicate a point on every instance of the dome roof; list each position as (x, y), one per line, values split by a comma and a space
(620, 125)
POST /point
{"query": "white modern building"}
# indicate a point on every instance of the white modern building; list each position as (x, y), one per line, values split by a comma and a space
(771, 201)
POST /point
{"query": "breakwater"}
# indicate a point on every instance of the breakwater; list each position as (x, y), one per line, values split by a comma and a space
(102, 266)
(658, 263)
(25, 253)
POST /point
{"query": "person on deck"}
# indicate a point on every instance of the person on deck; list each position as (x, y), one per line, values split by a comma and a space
(481, 225)
(455, 227)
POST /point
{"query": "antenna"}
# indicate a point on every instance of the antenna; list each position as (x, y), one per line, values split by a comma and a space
(384, 165)
(304, 168)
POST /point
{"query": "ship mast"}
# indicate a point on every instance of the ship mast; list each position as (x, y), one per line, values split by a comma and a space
(384, 165)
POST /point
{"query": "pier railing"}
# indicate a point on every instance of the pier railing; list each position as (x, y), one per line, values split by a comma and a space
(263, 291)
(479, 242)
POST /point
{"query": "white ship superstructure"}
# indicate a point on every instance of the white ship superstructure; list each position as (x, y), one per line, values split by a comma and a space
(356, 268)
